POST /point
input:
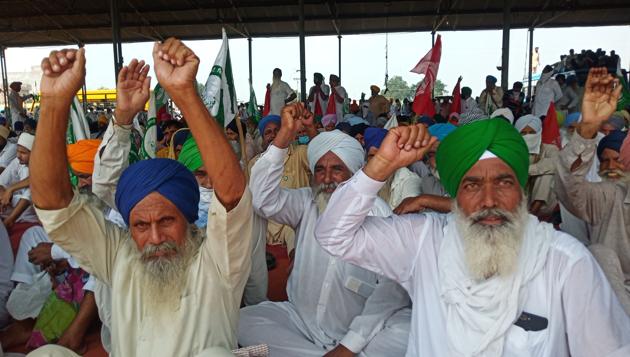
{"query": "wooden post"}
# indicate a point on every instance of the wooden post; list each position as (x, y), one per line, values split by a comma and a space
(241, 138)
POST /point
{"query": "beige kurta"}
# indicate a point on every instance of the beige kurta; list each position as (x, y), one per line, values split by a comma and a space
(296, 174)
(209, 309)
(542, 179)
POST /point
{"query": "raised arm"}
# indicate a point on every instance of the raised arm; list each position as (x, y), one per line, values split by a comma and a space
(176, 68)
(64, 73)
(132, 93)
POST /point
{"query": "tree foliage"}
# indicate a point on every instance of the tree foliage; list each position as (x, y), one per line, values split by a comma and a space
(398, 88)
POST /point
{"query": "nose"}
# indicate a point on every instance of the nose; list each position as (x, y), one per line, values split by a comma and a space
(327, 176)
(489, 199)
(155, 236)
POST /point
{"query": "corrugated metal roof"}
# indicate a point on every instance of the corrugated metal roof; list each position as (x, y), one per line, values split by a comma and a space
(45, 22)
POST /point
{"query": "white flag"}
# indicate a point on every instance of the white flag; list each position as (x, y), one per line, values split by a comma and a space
(220, 95)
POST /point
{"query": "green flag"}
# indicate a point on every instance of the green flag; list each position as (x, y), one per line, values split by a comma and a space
(220, 95)
(252, 106)
(157, 101)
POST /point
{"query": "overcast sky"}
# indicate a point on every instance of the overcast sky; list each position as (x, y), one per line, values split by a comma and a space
(472, 54)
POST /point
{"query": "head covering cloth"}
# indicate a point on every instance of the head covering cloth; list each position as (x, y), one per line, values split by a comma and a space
(164, 176)
(374, 138)
(26, 140)
(329, 119)
(529, 120)
(505, 113)
(440, 131)
(572, 118)
(190, 155)
(81, 155)
(612, 141)
(266, 120)
(461, 149)
(345, 147)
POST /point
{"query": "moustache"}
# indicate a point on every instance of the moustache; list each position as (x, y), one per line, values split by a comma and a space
(491, 212)
(153, 251)
(612, 174)
(327, 187)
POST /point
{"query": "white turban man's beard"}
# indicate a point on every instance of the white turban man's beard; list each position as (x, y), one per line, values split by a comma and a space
(164, 277)
(492, 249)
(320, 196)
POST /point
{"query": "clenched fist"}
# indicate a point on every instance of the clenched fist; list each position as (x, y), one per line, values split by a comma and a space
(64, 74)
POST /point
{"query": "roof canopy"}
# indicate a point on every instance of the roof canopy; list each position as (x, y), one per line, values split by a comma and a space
(45, 22)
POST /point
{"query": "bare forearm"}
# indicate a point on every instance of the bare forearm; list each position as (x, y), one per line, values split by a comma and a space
(18, 210)
(50, 182)
(437, 203)
(218, 157)
(86, 315)
(19, 185)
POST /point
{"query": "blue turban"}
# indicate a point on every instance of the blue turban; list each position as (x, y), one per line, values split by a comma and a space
(164, 176)
(492, 79)
(440, 131)
(345, 127)
(374, 137)
(612, 141)
(571, 118)
(426, 120)
(355, 120)
(266, 120)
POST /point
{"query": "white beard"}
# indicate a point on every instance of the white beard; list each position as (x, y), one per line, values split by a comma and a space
(321, 197)
(492, 250)
(164, 278)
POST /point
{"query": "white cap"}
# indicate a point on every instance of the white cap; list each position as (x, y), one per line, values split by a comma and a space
(26, 140)
(487, 155)
(504, 112)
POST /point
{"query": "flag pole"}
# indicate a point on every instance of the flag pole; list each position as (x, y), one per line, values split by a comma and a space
(241, 139)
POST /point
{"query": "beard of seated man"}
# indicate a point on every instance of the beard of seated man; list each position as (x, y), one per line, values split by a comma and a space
(163, 269)
(492, 249)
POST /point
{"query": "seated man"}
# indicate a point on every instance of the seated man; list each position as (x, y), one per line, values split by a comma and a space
(18, 214)
(6, 285)
(334, 308)
(403, 183)
(8, 149)
(542, 168)
(174, 291)
(602, 205)
(488, 279)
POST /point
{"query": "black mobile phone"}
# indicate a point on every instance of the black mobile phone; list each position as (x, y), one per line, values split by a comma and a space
(531, 322)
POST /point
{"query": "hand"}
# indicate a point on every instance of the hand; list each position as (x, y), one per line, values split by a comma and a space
(5, 201)
(8, 222)
(41, 255)
(132, 91)
(294, 118)
(402, 146)
(64, 74)
(340, 351)
(175, 67)
(73, 340)
(410, 205)
(601, 94)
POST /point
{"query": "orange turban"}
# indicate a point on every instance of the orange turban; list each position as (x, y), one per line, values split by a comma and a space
(81, 155)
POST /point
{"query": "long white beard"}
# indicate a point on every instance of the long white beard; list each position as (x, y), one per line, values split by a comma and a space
(492, 250)
(164, 278)
(321, 197)
(615, 176)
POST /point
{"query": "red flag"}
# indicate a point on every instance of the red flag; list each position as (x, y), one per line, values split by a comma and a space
(550, 130)
(428, 65)
(456, 106)
(267, 106)
(332, 103)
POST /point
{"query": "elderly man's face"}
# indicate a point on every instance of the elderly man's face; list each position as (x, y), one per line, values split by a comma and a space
(489, 184)
(270, 132)
(201, 175)
(155, 222)
(330, 171)
(610, 167)
(606, 128)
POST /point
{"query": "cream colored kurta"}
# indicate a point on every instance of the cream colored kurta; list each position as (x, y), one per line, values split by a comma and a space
(209, 309)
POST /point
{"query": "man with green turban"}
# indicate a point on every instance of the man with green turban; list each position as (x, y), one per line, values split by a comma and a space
(256, 286)
(488, 277)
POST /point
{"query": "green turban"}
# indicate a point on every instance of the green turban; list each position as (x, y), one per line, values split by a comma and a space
(190, 155)
(463, 147)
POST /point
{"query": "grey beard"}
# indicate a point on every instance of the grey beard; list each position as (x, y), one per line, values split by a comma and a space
(492, 250)
(321, 197)
(164, 278)
(621, 176)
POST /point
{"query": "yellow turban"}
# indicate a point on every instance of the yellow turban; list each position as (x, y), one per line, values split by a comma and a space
(81, 155)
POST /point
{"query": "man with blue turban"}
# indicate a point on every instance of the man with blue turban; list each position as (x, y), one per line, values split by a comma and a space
(334, 308)
(488, 274)
(605, 205)
(403, 183)
(175, 290)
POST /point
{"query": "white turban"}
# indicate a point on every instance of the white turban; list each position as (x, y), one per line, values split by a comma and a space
(344, 146)
(504, 112)
(529, 120)
(26, 140)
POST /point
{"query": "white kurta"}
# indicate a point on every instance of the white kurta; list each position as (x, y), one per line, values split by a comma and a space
(8, 154)
(546, 92)
(12, 174)
(279, 93)
(330, 301)
(6, 267)
(207, 314)
(584, 315)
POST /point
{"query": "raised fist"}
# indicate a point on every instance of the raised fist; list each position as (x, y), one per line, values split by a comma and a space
(294, 118)
(64, 74)
(175, 66)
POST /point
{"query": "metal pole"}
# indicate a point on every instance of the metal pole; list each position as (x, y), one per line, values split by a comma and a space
(302, 55)
(83, 89)
(529, 76)
(432, 39)
(339, 74)
(505, 56)
(249, 45)
(5, 84)
(116, 37)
